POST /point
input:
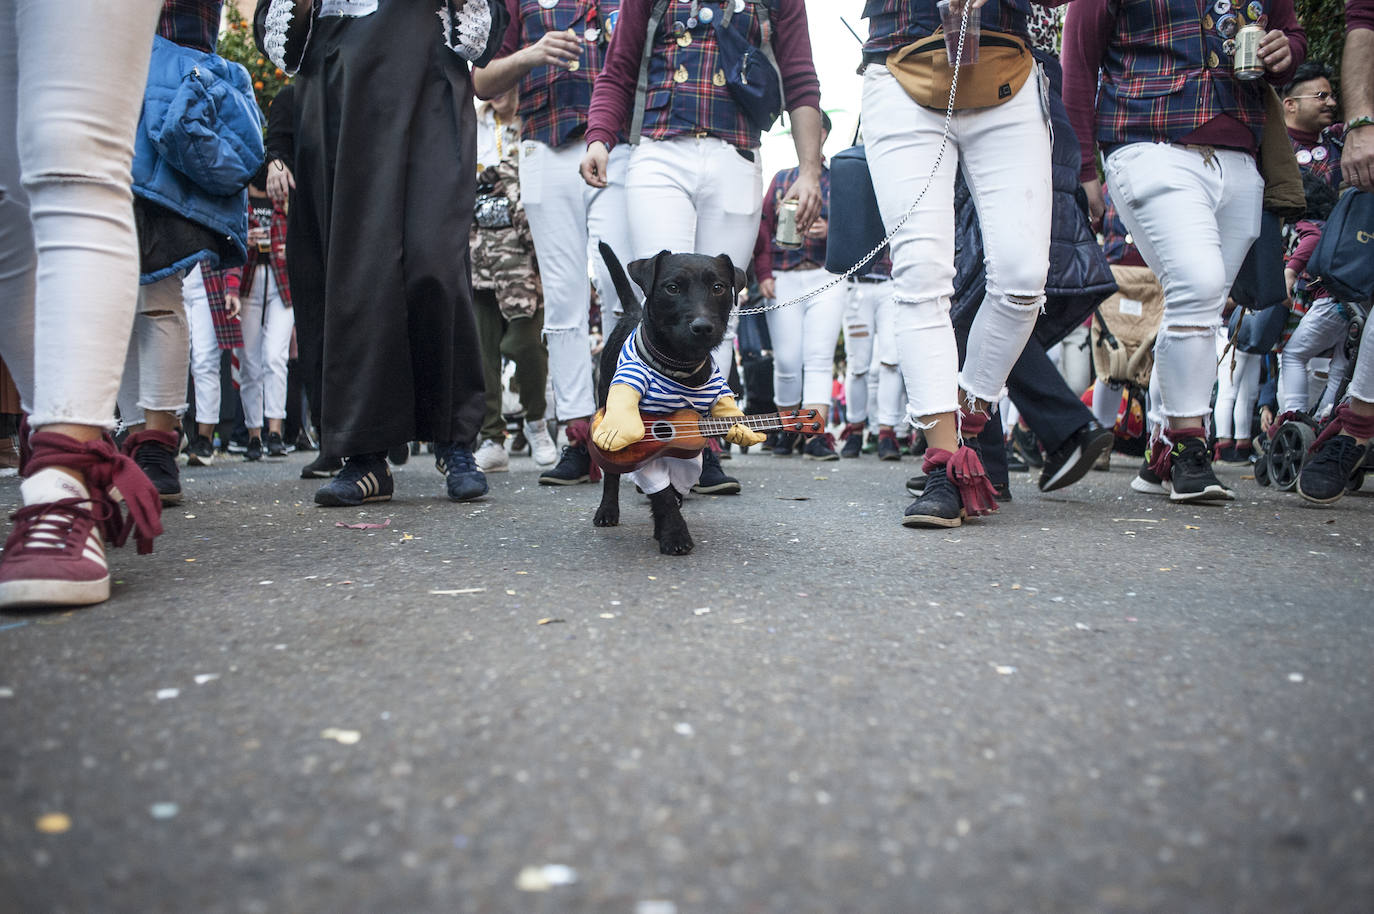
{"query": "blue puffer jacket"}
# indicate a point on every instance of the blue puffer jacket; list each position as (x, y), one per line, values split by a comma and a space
(199, 143)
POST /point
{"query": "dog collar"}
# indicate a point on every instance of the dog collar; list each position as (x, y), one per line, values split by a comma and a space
(678, 371)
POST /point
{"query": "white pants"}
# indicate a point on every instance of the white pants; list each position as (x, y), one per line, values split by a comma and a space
(1106, 403)
(696, 195)
(1237, 391)
(567, 220)
(205, 351)
(1362, 377)
(158, 354)
(870, 354)
(804, 337)
(267, 323)
(1074, 360)
(70, 78)
(658, 474)
(1321, 329)
(1193, 221)
(1004, 153)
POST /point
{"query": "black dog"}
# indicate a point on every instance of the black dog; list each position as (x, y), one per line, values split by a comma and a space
(688, 298)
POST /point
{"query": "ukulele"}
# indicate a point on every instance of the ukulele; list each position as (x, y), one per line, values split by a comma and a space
(683, 433)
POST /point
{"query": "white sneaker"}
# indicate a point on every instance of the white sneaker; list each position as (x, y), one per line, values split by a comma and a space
(492, 458)
(542, 446)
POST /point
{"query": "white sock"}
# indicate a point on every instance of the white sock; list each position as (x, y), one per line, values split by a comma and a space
(51, 485)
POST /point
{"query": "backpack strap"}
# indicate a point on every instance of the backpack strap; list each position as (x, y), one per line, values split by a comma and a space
(642, 87)
(767, 45)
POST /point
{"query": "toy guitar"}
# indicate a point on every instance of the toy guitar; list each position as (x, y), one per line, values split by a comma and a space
(683, 434)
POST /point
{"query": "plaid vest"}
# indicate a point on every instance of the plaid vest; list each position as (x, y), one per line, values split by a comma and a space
(687, 92)
(812, 250)
(893, 24)
(1322, 158)
(1167, 70)
(193, 23)
(554, 100)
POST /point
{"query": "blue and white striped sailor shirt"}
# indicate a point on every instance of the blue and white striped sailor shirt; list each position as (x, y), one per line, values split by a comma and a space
(660, 394)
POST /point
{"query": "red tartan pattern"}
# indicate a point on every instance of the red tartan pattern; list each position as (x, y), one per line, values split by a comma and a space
(228, 332)
(236, 278)
(193, 23)
(696, 105)
(1328, 168)
(553, 100)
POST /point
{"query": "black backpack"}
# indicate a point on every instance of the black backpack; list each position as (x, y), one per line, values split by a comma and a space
(1344, 257)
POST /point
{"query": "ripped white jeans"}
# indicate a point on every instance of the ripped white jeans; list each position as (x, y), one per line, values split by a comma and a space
(1194, 217)
(69, 104)
(1004, 153)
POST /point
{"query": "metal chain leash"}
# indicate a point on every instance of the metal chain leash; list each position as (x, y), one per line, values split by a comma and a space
(939, 157)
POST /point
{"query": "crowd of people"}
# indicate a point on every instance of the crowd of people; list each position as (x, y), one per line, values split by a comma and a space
(1085, 209)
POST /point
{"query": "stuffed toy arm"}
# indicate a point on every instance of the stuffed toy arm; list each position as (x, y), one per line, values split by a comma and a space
(620, 425)
(738, 434)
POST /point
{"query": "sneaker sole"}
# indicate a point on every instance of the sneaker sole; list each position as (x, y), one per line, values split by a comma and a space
(41, 593)
(724, 488)
(933, 522)
(552, 481)
(503, 468)
(170, 498)
(825, 459)
(1318, 501)
(889, 456)
(319, 474)
(1145, 487)
(194, 461)
(330, 500)
(1211, 493)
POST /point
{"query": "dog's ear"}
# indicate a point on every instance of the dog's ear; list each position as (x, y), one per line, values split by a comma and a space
(645, 272)
(740, 280)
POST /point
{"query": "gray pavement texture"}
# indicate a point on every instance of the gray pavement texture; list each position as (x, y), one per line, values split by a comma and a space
(1095, 701)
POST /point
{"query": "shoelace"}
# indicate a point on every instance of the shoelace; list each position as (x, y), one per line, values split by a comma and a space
(1340, 450)
(61, 525)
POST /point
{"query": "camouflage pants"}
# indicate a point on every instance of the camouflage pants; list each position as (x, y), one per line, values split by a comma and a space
(520, 340)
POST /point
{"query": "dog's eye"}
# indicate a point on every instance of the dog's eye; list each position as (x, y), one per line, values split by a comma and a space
(718, 288)
(672, 288)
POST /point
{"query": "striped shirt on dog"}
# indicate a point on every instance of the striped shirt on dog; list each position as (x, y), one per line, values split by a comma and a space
(660, 394)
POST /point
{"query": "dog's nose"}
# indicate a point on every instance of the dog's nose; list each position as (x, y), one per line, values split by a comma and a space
(701, 326)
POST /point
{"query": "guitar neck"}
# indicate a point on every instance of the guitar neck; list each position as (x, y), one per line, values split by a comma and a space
(715, 426)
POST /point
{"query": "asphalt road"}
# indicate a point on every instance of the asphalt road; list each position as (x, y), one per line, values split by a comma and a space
(1096, 701)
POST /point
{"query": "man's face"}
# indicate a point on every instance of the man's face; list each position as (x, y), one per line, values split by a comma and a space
(1312, 106)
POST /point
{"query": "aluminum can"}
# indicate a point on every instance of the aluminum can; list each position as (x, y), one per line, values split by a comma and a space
(787, 235)
(1247, 64)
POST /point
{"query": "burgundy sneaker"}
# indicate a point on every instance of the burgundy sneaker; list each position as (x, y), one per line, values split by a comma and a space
(54, 555)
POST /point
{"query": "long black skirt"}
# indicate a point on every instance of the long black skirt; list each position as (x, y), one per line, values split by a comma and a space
(385, 178)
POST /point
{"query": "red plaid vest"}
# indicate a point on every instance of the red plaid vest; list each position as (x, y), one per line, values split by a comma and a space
(553, 100)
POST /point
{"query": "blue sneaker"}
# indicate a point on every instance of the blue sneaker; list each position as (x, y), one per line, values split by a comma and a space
(363, 478)
(459, 466)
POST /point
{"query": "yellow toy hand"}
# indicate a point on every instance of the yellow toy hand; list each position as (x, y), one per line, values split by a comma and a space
(620, 425)
(739, 434)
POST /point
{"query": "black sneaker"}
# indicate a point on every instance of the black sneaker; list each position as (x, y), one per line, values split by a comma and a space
(1323, 477)
(916, 485)
(238, 443)
(1026, 446)
(575, 466)
(321, 467)
(713, 480)
(1147, 481)
(1072, 460)
(853, 438)
(156, 455)
(304, 442)
(363, 478)
(275, 446)
(786, 443)
(254, 449)
(399, 454)
(200, 452)
(820, 447)
(938, 505)
(463, 479)
(1191, 477)
(888, 448)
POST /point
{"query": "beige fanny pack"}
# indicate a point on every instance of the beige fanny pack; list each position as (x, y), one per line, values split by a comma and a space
(923, 69)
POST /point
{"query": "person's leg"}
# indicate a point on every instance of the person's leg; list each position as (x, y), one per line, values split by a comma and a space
(1246, 376)
(1321, 328)
(860, 326)
(522, 343)
(1345, 442)
(785, 330)
(729, 201)
(204, 352)
(278, 320)
(164, 355)
(66, 223)
(252, 361)
(1106, 403)
(1224, 410)
(1013, 196)
(607, 220)
(489, 329)
(1043, 398)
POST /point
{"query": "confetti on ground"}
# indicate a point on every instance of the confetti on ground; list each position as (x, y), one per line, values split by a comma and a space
(551, 621)
(1191, 527)
(701, 611)
(190, 560)
(1295, 677)
(265, 583)
(346, 737)
(655, 907)
(462, 590)
(203, 678)
(1004, 670)
(164, 694)
(543, 878)
(683, 729)
(190, 516)
(163, 810)
(6, 693)
(364, 525)
(53, 823)
(603, 615)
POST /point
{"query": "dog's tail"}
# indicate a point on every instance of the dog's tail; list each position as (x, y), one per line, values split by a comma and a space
(629, 302)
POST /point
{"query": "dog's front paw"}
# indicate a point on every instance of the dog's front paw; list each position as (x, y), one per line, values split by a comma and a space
(607, 516)
(674, 539)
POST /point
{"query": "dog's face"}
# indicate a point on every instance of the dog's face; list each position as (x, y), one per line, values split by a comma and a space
(687, 301)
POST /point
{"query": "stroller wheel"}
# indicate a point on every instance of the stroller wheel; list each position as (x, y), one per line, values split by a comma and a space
(1287, 452)
(1262, 470)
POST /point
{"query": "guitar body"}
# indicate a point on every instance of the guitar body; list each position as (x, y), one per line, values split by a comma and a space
(684, 432)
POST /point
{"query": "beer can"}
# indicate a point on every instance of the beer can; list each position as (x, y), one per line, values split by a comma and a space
(787, 235)
(1247, 64)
